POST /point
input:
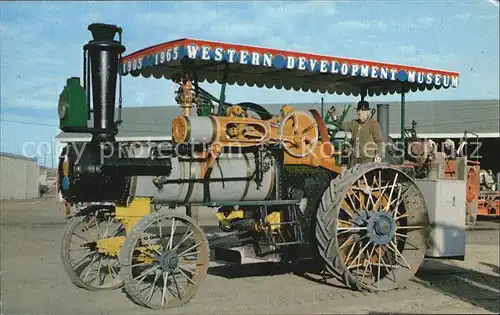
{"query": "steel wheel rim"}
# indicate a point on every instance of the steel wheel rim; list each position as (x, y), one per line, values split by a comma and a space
(90, 268)
(164, 277)
(382, 256)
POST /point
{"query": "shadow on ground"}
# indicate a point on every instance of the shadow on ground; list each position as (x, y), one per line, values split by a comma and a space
(232, 271)
(304, 270)
(488, 218)
(495, 269)
(471, 286)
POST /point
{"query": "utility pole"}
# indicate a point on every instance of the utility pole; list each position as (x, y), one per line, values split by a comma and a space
(52, 150)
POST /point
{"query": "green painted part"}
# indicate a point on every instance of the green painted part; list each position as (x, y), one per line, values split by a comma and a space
(222, 99)
(403, 117)
(74, 99)
(205, 108)
(329, 121)
(337, 144)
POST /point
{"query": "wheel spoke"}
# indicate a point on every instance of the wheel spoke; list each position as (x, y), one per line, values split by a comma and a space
(83, 258)
(392, 265)
(190, 248)
(153, 286)
(352, 202)
(402, 238)
(79, 236)
(186, 276)
(391, 270)
(161, 236)
(392, 190)
(370, 196)
(398, 253)
(350, 229)
(399, 200)
(88, 267)
(360, 253)
(346, 242)
(97, 227)
(172, 231)
(184, 238)
(107, 228)
(351, 190)
(177, 286)
(379, 254)
(410, 227)
(164, 292)
(143, 274)
(368, 263)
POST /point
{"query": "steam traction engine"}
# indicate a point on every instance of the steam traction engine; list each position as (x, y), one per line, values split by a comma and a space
(272, 181)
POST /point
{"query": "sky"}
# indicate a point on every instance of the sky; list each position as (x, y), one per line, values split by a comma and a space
(42, 45)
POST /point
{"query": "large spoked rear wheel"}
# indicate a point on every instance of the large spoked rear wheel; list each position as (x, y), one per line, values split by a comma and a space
(372, 227)
(164, 260)
(88, 266)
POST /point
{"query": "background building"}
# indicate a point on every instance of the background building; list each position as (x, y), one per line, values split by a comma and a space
(19, 177)
(436, 120)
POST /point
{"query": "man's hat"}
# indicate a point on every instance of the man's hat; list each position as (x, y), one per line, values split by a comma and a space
(363, 105)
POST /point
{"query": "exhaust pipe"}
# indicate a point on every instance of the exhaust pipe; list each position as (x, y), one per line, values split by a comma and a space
(103, 53)
(383, 120)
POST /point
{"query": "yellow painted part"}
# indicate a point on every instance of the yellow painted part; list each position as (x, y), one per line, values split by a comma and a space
(180, 129)
(241, 131)
(137, 209)
(110, 246)
(235, 214)
(147, 252)
(273, 219)
(187, 98)
(258, 227)
(318, 158)
(65, 168)
(225, 220)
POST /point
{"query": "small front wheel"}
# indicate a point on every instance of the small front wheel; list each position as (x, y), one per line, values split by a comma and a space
(164, 260)
(88, 266)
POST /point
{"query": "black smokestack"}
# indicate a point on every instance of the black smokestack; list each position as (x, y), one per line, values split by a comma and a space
(383, 119)
(103, 52)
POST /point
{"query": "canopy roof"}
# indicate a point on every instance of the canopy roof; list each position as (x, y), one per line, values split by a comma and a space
(278, 69)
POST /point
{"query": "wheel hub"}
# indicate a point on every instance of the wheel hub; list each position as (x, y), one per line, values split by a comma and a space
(169, 261)
(381, 228)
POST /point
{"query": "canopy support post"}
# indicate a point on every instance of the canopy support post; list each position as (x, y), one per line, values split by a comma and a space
(403, 117)
(120, 100)
(199, 107)
(363, 93)
(322, 108)
(222, 97)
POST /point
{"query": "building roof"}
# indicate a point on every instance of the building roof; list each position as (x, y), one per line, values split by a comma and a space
(435, 119)
(17, 156)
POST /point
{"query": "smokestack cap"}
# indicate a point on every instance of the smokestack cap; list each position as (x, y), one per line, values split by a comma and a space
(104, 32)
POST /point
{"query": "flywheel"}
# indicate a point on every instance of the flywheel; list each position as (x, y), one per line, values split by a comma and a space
(299, 133)
(372, 227)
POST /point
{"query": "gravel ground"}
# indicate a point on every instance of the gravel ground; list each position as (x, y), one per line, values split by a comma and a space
(33, 280)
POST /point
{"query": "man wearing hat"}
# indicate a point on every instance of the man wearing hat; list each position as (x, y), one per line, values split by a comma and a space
(367, 139)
